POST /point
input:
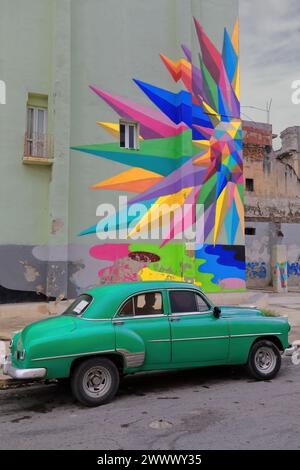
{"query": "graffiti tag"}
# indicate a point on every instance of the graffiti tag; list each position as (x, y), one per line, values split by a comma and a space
(293, 269)
(256, 270)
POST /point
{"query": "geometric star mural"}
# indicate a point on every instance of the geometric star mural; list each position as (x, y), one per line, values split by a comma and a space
(190, 153)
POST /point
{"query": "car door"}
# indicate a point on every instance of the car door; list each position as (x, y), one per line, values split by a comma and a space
(142, 330)
(196, 334)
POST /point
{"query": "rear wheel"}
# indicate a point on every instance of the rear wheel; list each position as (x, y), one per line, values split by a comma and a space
(95, 381)
(264, 360)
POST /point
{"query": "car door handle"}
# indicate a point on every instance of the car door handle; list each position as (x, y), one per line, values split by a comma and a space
(175, 318)
(118, 322)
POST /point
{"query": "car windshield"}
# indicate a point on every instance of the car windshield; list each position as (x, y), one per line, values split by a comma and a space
(79, 305)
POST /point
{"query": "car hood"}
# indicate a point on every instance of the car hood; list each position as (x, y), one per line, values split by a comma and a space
(48, 328)
(227, 311)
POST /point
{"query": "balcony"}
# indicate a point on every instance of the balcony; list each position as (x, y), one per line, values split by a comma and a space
(38, 149)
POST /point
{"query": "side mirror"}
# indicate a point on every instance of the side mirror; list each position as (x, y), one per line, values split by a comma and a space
(217, 312)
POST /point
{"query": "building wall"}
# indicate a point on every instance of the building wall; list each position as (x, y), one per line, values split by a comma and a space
(258, 253)
(273, 208)
(258, 256)
(274, 176)
(26, 37)
(292, 240)
(48, 240)
(25, 67)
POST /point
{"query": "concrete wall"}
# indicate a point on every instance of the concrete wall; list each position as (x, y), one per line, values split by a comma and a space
(258, 253)
(258, 256)
(273, 208)
(292, 240)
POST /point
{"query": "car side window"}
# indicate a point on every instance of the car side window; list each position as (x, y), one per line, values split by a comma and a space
(201, 304)
(79, 305)
(128, 309)
(144, 304)
(183, 301)
(149, 303)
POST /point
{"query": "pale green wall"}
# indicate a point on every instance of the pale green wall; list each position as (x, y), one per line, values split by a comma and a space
(25, 38)
(58, 48)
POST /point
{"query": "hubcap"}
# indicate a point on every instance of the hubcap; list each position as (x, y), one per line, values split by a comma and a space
(96, 382)
(265, 360)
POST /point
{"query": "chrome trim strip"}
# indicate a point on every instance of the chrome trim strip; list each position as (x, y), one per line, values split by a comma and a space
(159, 341)
(189, 313)
(132, 359)
(135, 317)
(255, 334)
(72, 355)
(95, 319)
(204, 338)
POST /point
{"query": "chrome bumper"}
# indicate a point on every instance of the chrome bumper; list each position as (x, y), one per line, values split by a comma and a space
(290, 350)
(22, 374)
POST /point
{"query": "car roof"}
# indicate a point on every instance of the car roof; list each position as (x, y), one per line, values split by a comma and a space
(139, 286)
(107, 298)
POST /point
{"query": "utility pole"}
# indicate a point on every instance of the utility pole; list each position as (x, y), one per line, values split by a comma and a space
(267, 109)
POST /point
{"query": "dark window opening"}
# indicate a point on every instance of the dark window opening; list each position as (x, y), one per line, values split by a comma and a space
(129, 135)
(122, 135)
(249, 184)
(250, 231)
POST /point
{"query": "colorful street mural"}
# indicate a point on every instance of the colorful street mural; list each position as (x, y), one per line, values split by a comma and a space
(190, 152)
(281, 268)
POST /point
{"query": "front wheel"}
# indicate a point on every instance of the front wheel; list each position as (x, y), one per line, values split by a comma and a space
(264, 360)
(95, 381)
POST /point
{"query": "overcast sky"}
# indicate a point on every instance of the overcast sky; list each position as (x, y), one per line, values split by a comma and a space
(270, 59)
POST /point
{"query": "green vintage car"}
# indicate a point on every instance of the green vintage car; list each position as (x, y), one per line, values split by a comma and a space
(120, 329)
